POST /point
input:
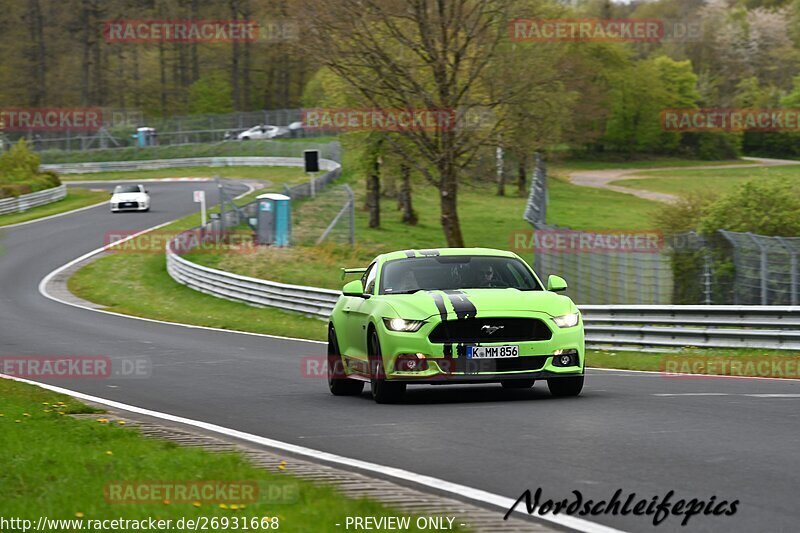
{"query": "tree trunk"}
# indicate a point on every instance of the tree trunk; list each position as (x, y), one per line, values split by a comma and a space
(246, 61)
(237, 106)
(39, 93)
(522, 176)
(404, 196)
(449, 205)
(195, 60)
(162, 66)
(501, 175)
(374, 193)
(86, 46)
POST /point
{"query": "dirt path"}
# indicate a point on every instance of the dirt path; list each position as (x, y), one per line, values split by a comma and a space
(603, 179)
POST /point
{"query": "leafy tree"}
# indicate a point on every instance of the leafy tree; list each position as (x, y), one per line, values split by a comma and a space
(210, 94)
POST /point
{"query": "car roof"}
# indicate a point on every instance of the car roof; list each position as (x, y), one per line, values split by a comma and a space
(408, 254)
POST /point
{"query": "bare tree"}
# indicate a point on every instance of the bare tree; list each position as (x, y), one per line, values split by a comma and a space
(412, 54)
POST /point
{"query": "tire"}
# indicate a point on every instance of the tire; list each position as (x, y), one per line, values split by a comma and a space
(338, 382)
(518, 383)
(565, 387)
(383, 391)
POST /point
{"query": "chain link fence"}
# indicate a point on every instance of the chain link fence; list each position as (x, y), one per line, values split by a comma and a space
(121, 125)
(727, 268)
(320, 212)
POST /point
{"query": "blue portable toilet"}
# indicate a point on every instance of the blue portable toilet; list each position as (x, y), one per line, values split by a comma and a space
(145, 137)
(274, 219)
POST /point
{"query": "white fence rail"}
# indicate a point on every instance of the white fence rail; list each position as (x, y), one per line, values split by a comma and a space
(158, 164)
(606, 325)
(26, 201)
(258, 292)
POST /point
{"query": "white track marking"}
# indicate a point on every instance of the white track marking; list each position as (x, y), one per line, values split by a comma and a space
(46, 280)
(470, 493)
(664, 375)
(752, 395)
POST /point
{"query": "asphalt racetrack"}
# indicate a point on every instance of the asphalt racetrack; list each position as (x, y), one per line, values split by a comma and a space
(736, 439)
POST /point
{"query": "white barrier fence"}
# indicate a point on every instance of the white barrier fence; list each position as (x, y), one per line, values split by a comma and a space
(158, 164)
(35, 199)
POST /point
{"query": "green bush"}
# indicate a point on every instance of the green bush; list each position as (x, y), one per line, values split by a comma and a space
(19, 172)
(764, 206)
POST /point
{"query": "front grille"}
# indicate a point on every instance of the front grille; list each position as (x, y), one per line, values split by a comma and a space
(472, 330)
(463, 365)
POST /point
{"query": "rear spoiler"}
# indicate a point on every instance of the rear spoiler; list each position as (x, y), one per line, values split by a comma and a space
(346, 271)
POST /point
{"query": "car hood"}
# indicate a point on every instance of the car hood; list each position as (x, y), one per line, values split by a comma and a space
(422, 305)
(129, 197)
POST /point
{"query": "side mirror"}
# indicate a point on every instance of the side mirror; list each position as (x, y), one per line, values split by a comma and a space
(354, 288)
(556, 284)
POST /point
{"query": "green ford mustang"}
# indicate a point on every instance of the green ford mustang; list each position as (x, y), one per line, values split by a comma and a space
(458, 315)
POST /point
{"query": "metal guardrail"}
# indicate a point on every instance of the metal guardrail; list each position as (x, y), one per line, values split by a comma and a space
(157, 164)
(707, 326)
(307, 300)
(606, 325)
(24, 202)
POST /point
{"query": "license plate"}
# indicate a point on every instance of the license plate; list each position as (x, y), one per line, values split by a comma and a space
(492, 352)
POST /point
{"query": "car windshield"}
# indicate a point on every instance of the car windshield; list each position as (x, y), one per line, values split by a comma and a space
(120, 189)
(404, 276)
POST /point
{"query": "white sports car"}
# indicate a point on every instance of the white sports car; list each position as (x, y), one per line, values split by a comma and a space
(259, 132)
(130, 198)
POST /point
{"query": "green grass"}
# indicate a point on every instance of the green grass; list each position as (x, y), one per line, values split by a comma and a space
(220, 149)
(711, 181)
(277, 175)
(57, 466)
(144, 288)
(75, 199)
(632, 360)
(487, 220)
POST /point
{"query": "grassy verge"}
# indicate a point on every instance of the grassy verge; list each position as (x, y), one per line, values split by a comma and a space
(278, 175)
(75, 199)
(487, 220)
(220, 149)
(63, 476)
(711, 181)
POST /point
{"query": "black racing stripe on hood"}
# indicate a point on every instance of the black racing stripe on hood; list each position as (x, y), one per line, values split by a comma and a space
(439, 301)
(462, 307)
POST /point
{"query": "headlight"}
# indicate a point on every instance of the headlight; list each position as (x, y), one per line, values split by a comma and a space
(400, 324)
(567, 321)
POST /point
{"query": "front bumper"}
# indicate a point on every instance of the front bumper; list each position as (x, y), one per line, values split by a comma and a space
(137, 207)
(450, 364)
